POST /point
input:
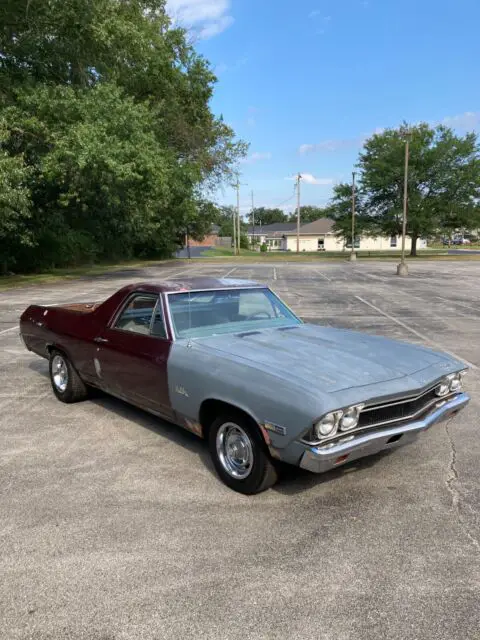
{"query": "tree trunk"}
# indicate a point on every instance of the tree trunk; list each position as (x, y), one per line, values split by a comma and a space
(413, 251)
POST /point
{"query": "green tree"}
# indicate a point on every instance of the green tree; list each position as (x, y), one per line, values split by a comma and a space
(15, 209)
(308, 213)
(224, 219)
(267, 216)
(444, 179)
(108, 108)
(340, 210)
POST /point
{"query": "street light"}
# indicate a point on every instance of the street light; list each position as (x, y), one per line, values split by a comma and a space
(353, 255)
(402, 268)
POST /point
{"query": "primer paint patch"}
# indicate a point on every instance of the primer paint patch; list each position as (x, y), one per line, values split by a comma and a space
(98, 367)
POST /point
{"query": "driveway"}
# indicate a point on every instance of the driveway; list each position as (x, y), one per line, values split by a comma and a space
(195, 252)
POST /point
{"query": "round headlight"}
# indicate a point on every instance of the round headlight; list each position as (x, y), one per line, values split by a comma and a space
(443, 388)
(326, 426)
(350, 418)
(456, 382)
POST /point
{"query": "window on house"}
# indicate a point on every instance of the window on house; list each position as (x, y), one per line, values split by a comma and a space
(349, 242)
(393, 241)
(321, 244)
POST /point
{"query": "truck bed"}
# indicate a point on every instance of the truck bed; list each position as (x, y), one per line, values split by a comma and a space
(82, 307)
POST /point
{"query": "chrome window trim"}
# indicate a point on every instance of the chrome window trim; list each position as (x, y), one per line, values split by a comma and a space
(171, 330)
(158, 306)
(213, 290)
(122, 308)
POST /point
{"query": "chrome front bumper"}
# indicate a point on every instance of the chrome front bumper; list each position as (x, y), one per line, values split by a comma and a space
(320, 459)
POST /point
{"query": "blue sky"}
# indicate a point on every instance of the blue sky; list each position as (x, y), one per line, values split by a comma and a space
(304, 82)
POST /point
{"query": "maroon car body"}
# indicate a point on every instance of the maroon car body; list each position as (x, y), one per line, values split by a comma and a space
(134, 366)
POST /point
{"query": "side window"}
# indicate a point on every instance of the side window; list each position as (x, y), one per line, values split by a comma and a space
(137, 315)
(158, 324)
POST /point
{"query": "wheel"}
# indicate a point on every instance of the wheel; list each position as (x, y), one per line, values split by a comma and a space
(240, 456)
(66, 383)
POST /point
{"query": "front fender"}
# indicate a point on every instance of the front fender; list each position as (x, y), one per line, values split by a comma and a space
(196, 375)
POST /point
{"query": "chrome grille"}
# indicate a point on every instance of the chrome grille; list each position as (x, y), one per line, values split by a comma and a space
(399, 410)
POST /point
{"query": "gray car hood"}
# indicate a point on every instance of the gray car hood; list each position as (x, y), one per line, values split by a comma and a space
(327, 358)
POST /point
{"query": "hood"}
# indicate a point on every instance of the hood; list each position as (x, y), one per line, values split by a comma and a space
(330, 359)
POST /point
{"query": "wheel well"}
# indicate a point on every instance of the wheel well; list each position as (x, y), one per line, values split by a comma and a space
(52, 347)
(211, 409)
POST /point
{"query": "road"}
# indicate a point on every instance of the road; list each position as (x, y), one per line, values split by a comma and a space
(195, 252)
(114, 525)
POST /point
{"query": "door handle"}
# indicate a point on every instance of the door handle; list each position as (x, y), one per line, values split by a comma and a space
(100, 339)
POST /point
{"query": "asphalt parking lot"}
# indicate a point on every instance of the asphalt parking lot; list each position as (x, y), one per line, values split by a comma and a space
(114, 526)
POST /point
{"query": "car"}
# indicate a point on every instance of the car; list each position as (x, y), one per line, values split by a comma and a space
(229, 361)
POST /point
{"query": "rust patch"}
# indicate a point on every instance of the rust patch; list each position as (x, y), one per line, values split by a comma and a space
(266, 435)
(194, 427)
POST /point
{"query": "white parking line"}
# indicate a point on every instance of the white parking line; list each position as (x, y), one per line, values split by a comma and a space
(231, 271)
(370, 275)
(322, 274)
(461, 304)
(274, 273)
(179, 273)
(7, 330)
(417, 333)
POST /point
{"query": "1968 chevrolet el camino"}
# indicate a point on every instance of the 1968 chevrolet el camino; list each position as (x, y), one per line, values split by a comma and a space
(228, 360)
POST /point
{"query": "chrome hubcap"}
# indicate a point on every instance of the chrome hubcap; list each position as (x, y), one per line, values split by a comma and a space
(234, 449)
(59, 373)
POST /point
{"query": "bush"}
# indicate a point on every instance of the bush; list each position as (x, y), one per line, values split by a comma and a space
(263, 248)
(244, 242)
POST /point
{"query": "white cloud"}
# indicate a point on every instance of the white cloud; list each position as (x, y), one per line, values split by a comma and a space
(315, 13)
(207, 18)
(256, 157)
(308, 178)
(329, 146)
(468, 120)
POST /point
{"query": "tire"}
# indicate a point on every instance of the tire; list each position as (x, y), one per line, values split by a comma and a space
(239, 454)
(66, 383)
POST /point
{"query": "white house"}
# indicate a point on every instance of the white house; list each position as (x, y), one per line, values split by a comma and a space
(319, 236)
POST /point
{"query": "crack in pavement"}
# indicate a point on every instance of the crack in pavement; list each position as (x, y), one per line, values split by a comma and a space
(450, 483)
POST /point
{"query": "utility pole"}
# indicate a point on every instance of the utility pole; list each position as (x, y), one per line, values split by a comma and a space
(253, 223)
(353, 255)
(187, 238)
(238, 217)
(299, 177)
(402, 268)
(234, 231)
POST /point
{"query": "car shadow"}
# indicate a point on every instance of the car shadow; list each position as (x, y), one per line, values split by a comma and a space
(292, 480)
(160, 427)
(156, 425)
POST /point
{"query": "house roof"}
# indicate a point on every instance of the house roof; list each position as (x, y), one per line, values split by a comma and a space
(320, 227)
(276, 227)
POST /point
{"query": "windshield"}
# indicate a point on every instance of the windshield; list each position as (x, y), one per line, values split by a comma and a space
(206, 313)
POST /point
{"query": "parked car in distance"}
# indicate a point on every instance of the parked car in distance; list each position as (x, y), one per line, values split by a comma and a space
(229, 361)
